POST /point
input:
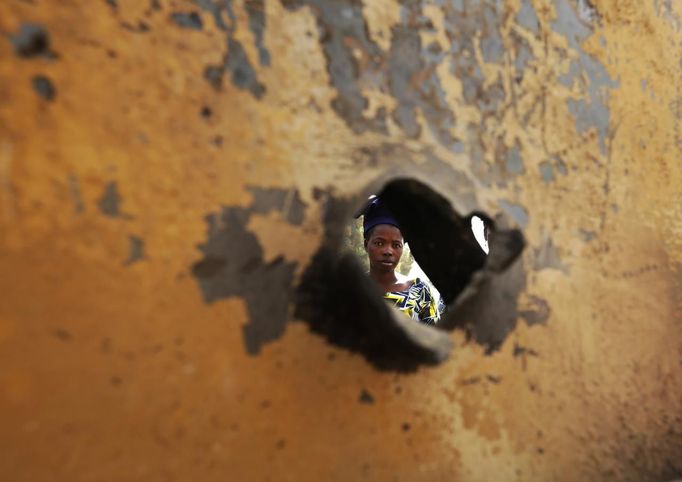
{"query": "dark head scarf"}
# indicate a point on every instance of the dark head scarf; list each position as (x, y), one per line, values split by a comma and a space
(375, 213)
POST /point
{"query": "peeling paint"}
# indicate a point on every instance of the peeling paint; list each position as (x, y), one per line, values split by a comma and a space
(136, 250)
(109, 203)
(188, 20)
(44, 87)
(591, 112)
(32, 40)
(221, 275)
(516, 212)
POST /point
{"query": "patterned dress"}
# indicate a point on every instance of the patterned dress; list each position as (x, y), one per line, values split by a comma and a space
(417, 302)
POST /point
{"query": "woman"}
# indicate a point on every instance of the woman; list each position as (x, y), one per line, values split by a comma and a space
(384, 245)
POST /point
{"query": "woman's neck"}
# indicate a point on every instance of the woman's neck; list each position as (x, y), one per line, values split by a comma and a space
(385, 279)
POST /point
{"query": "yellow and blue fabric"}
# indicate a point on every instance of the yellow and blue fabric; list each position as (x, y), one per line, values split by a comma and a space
(417, 302)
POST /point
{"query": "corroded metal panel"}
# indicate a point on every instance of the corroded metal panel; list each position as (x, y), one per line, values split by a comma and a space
(169, 170)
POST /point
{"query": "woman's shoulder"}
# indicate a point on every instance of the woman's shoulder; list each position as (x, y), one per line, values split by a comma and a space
(419, 283)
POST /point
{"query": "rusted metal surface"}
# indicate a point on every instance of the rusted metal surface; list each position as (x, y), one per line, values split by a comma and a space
(169, 170)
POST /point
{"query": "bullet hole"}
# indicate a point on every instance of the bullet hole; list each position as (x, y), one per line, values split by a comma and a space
(339, 301)
(189, 20)
(281, 443)
(206, 112)
(44, 87)
(112, 3)
(115, 381)
(217, 141)
(32, 41)
(366, 397)
(62, 335)
(406, 427)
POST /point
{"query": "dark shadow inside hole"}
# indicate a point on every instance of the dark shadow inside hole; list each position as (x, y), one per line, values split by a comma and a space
(442, 242)
(339, 300)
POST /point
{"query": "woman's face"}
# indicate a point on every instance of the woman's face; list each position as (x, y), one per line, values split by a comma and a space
(384, 247)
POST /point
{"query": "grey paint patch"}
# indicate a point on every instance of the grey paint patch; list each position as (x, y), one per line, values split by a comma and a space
(136, 250)
(220, 10)
(665, 9)
(235, 61)
(463, 26)
(407, 70)
(514, 162)
(214, 75)
(110, 201)
(590, 112)
(593, 111)
(567, 78)
(491, 42)
(44, 87)
(233, 265)
(256, 12)
(548, 256)
(32, 40)
(465, 23)
(538, 312)
(242, 73)
(343, 29)
(527, 17)
(75, 192)
(587, 13)
(568, 24)
(404, 64)
(188, 20)
(524, 56)
(287, 201)
(546, 171)
(414, 83)
(587, 235)
(517, 212)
